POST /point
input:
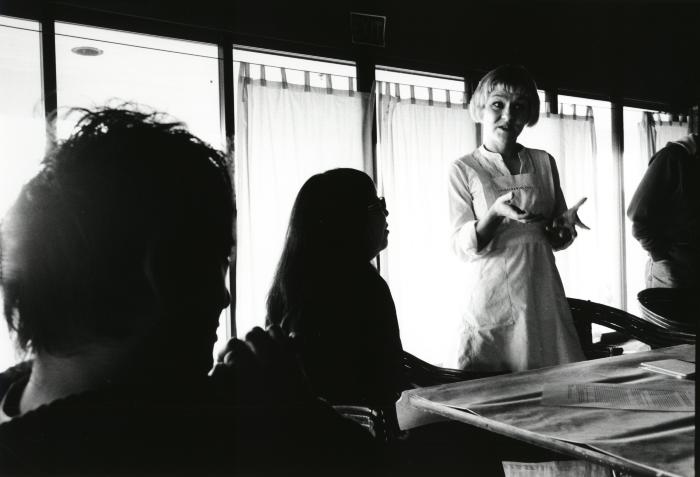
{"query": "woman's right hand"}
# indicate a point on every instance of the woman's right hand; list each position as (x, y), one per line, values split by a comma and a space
(504, 207)
(501, 208)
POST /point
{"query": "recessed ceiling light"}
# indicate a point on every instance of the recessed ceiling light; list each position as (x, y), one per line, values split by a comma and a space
(86, 51)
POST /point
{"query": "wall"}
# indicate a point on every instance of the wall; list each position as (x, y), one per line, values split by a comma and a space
(630, 50)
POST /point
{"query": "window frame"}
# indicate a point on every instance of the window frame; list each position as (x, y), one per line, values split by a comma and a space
(365, 65)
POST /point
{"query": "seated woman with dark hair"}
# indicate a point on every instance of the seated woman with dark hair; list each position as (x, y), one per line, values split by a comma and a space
(327, 293)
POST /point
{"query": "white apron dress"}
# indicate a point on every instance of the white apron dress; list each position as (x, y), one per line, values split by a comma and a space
(516, 316)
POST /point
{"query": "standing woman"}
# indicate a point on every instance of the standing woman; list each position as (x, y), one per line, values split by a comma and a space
(507, 214)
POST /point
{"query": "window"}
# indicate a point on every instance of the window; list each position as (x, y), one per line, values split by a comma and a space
(22, 130)
(423, 126)
(294, 118)
(96, 66)
(21, 106)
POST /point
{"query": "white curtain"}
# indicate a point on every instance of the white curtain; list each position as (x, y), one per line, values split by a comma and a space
(591, 267)
(663, 132)
(285, 133)
(417, 140)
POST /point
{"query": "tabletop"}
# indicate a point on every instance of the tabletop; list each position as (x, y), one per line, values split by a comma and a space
(646, 442)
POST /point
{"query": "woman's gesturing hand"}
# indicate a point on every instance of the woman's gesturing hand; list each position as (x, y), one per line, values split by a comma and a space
(504, 207)
(562, 230)
(501, 208)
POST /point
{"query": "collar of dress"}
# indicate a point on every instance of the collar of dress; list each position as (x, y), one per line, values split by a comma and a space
(496, 161)
(495, 156)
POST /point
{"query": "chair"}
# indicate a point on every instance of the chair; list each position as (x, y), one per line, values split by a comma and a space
(372, 420)
(629, 326)
(669, 308)
(421, 373)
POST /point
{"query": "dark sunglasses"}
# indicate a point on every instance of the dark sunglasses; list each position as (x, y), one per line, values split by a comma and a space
(381, 203)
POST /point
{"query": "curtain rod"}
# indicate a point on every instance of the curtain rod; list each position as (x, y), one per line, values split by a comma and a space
(418, 72)
(288, 54)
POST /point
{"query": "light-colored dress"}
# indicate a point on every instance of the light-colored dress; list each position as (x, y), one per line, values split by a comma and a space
(516, 315)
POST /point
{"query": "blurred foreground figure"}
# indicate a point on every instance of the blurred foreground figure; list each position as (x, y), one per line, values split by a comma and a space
(113, 274)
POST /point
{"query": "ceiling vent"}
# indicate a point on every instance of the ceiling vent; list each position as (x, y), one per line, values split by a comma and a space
(367, 29)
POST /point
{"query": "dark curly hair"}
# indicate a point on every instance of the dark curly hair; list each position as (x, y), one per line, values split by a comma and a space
(73, 245)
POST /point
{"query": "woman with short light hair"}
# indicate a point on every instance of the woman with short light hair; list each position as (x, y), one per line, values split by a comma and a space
(508, 214)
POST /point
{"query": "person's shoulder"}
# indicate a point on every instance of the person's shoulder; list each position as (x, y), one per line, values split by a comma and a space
(540, 154)
(672, 154)
(675, 150)
(463, 161)
(462, 166)
(688, 143)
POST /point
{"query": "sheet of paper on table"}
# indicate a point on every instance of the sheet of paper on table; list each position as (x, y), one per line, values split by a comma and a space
(619, 396)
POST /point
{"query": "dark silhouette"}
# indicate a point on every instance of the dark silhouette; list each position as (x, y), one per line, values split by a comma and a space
(113, 265)
(665, 217)
(327, 293)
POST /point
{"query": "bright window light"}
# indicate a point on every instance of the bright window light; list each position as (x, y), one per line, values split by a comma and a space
(22, 131)
(178, 77)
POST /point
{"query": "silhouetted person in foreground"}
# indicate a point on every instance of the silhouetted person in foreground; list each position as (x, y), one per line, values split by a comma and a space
(329, 295)
(113, 261)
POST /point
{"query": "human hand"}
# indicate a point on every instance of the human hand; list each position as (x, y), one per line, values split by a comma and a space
(504, 207)
(562, 230)
(263, 368)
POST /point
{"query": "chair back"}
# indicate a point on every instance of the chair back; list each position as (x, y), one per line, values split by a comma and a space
(421, 373)
(586, 312)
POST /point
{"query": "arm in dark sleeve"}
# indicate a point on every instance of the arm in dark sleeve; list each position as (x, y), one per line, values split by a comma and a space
(650, 204)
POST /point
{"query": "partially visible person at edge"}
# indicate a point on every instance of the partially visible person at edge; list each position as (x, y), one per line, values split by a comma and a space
(665, 216)
(329, 295)
(113, 261)
(508, 214)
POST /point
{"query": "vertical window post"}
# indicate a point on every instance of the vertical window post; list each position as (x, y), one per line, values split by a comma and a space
(48, 72)
(618, 143)
(470, 85)
(365, 79)
(226, 116)
(551, 97)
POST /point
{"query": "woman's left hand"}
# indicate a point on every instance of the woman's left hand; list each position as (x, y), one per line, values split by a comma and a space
(559, 235)
(562, 231)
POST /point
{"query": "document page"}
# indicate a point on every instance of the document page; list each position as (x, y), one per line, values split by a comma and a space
(618, 396)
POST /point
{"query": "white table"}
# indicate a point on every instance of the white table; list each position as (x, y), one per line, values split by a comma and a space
(660, 443)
